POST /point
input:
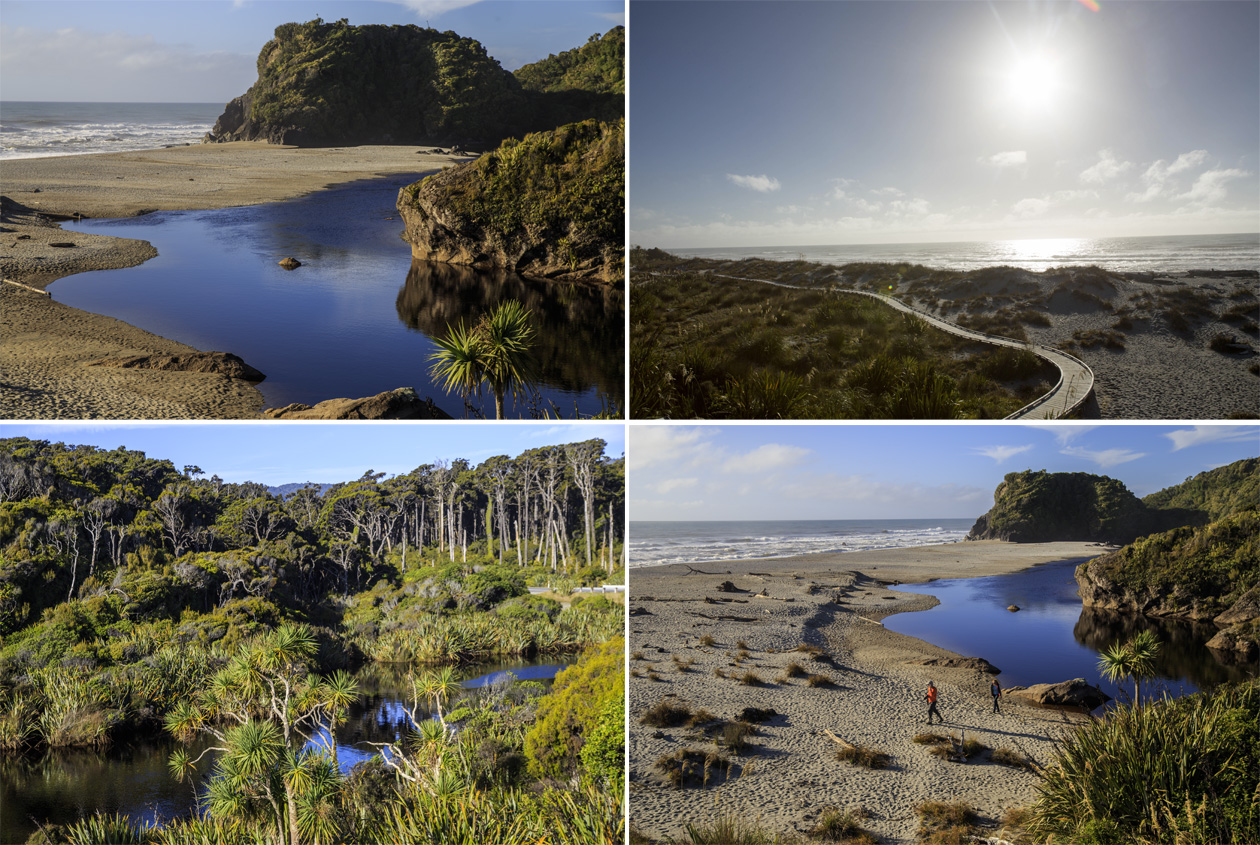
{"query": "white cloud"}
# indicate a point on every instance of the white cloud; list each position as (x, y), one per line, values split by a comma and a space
(1065, 434)
(1105, 458)
(1030, 207)
(1013, 158)
(672, 484)
(665, 444)
(766, 458)
(888, 192)
(918, 205)
(1157, 176)
(1001, 454)
(1107, 168)
(762, 183)
(433, 8)
(1200, 434)
(1209, 188)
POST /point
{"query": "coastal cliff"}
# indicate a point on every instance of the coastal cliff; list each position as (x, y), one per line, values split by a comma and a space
(551, 205)
(323, 84)
(1205, 569)
(1041, 507)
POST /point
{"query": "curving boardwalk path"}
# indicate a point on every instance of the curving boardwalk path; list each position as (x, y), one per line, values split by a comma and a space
(1076, 380)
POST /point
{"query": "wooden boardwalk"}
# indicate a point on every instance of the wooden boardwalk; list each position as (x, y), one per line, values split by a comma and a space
(1076, 380)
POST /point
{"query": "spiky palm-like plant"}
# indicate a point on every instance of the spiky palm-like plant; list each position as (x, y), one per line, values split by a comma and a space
(496, 352)
(1134, 659)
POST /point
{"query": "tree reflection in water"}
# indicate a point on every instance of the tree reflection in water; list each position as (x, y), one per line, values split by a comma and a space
(580, 328)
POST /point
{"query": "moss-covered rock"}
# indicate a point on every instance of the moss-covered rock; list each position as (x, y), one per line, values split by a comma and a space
(332, 83)
(551, 205)
(1041, 507)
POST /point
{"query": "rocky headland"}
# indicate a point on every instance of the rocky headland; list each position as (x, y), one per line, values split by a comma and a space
(551, 206)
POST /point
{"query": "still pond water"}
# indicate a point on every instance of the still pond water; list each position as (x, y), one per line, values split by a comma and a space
(60, 787)
(1052, 637)
(357, 318)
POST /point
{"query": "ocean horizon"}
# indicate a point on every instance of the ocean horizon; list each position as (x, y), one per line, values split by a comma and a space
(46, 129)
(655, 543)
(1147, 254)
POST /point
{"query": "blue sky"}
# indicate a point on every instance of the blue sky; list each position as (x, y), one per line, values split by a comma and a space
(891, 471)
(204, 51)
(280, 453)
(798, 123)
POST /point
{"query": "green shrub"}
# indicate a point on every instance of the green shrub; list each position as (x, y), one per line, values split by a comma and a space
(573, 709)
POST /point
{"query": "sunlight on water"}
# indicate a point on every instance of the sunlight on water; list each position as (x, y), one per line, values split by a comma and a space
(1039, 250)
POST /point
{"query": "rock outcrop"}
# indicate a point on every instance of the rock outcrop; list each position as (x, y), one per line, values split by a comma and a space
(401, 404)
(1042, 507)
(550, 206)
(323, 84)
(1073, 693)
(223, 363)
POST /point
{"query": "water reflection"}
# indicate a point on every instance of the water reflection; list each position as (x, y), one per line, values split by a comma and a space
(580, 328)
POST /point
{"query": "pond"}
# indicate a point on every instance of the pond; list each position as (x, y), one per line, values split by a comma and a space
(358, 317)
(132, 778)
(1052, 637)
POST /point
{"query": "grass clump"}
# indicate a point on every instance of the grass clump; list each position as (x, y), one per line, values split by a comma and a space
(1177, 771)
(861, 755)
(735, 735)
(930, 739)
(842, 827)
(692, 766)
(751, 679)
(729, 830)
(943, 823)
(1004, 756)
(666, 714)
(819, 681)
(707, 640)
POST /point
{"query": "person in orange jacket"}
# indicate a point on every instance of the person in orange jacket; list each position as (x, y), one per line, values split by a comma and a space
(931, 700)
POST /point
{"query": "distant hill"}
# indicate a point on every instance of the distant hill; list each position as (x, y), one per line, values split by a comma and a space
(286, 489)
(1041, 507)
(588, 82)
(1215, 493)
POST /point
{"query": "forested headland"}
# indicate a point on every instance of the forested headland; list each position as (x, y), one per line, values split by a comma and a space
(137, 597)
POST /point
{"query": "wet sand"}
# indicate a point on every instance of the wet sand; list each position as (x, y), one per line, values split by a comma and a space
(45, 347)
(833, 602)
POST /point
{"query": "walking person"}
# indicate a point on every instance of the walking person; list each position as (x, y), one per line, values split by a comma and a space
(931, 700)
(995, 690)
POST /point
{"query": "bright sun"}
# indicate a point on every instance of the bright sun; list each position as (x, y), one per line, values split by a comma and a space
(1034, 83)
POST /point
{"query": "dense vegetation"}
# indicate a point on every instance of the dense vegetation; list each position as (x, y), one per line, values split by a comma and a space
(705, 347)
(586, 82)
(332, 83)
(1215, 493)
(1039, 506)
(1179, 771)
(136, 597)
(551, 203)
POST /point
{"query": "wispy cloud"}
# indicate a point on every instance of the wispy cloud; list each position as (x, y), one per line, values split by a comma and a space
(1106, 458)
(433, 8)
(1012, 158)
(767, 458)
(1209, 188)
(671, 484)
(1001, 454)
(1201, 434)
(762, 183)
(1106, 169)
(1030, 207)
(1157, 176)
(651, 445)
(1065, 434)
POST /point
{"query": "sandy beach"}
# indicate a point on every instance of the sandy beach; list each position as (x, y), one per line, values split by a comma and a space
(45, 347)
(833, 603)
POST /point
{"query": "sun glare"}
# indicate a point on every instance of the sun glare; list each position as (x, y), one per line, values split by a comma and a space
(1034, 83)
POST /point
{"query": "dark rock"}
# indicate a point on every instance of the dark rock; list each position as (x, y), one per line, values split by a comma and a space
(62, 244)
(728, 587)
(290, 263)
(1013, 608)
(1073, 693)
(400, 404)
(1242, 640)
(1245, 609)
(223, 363)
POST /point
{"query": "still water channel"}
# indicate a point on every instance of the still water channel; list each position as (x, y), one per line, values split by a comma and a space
(1052, 637)
(357, 318)
(132, 778)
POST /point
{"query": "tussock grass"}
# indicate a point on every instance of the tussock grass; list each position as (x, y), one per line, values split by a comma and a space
(751, 679)
(692, 766)
(666, 714)
(930, 739)
(707, 640)
(867, 758)
(842, 827)
(943, 823)
(1178, 771)
(1004, 756)
(794, 670)
(819, 681)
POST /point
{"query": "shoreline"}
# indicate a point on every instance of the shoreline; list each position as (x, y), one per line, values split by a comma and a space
(45, 346)
(834, 602)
